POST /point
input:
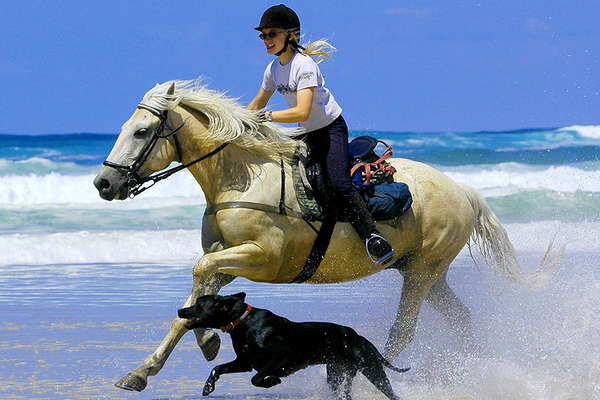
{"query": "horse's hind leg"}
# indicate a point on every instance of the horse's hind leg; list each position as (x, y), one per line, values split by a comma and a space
(443, 299)
(414, 290)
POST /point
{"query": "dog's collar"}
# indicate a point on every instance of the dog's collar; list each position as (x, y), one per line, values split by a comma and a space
(235, 323)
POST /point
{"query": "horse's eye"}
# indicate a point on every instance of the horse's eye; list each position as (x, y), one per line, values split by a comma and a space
(140, 132)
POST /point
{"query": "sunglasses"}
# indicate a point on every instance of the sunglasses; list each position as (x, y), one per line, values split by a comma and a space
(269, 35)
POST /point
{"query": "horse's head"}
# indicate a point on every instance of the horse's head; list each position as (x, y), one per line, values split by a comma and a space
(144, 146)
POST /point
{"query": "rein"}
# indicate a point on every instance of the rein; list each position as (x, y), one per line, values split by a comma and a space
(134, 181)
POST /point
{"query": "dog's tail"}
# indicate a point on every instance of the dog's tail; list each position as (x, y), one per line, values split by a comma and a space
(390, 366)
(385, 362)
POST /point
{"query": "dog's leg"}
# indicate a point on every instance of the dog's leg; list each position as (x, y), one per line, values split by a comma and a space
(376, 375)
(267, 376)
(260, 380)
(234, 366)
(339, 378)
(335, 376)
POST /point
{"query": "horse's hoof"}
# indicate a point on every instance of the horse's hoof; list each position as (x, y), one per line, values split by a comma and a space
(132, 382)
(211, 346)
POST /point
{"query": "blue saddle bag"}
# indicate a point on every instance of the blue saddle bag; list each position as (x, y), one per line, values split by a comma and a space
(385, 198)
(388, 200)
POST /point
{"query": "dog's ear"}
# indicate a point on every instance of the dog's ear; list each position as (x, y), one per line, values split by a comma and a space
(240, 295)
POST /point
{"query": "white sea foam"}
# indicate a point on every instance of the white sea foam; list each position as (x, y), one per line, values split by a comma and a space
(492, 180)
(184, 245)
(56, 188)
(98, 247)
(589, 131)
(507, 178)
(43, 166)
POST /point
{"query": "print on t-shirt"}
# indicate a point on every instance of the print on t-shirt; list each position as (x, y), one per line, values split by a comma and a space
(285, 89)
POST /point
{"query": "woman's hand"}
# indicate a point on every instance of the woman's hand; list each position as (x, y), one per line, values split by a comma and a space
(300, 113)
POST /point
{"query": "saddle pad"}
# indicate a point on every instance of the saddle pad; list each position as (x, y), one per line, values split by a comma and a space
(311, 210)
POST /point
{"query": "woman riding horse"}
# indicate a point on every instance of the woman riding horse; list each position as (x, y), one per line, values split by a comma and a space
(297, 77)
(236, 159)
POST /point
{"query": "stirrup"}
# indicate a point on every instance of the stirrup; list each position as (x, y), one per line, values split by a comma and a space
(384, 259)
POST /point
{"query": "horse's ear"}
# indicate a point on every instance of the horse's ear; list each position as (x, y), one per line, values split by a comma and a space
(171, 90)
(240, 295)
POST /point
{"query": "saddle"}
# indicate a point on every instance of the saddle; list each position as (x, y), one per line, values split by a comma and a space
(371, 175)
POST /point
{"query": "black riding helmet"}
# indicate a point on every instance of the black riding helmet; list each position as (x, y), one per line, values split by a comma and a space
(281, 17)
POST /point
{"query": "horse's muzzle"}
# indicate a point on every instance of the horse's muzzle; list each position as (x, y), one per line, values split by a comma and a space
(111, 185)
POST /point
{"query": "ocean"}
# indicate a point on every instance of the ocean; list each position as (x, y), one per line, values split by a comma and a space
(88, 288)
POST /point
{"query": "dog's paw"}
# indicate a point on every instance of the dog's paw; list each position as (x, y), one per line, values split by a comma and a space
(209, 387)
(270, 381)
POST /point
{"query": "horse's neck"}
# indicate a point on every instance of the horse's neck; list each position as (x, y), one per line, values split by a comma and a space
(192, 147)
(230, 174)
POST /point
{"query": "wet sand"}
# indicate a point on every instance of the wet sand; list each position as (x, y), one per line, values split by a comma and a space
(71, 331)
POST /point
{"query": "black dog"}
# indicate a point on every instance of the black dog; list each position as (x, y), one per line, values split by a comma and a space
(277, 347)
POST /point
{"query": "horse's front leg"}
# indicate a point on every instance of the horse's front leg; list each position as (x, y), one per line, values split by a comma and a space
(207, 280)
(208, 340)
(248, 260)
(138, 378)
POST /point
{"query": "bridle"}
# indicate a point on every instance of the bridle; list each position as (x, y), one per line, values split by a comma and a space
(134, 181)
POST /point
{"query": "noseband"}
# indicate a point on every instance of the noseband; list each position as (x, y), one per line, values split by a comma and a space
(134, 181)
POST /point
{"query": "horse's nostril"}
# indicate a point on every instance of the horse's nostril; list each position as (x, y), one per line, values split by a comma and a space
(103, 184)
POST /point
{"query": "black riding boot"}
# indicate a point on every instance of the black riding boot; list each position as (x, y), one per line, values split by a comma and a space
(378, 248)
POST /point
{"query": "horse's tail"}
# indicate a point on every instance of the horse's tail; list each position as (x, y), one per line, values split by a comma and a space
(497, 250)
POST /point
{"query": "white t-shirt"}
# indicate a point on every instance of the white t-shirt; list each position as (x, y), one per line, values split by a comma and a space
(300, 73)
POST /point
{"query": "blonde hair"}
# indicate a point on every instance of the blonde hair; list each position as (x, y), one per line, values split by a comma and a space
(319, 49)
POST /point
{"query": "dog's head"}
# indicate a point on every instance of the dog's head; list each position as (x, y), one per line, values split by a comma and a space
(213, 311)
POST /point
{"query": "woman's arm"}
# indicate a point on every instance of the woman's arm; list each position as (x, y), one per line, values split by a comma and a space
(261, 99)
(299, 113)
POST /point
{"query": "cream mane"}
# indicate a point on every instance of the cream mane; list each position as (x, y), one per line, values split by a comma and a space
(228, 120)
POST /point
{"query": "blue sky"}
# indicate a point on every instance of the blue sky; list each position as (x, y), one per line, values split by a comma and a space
(82, 66)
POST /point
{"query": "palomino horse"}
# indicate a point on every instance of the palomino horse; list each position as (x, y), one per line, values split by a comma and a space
(236, 158)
